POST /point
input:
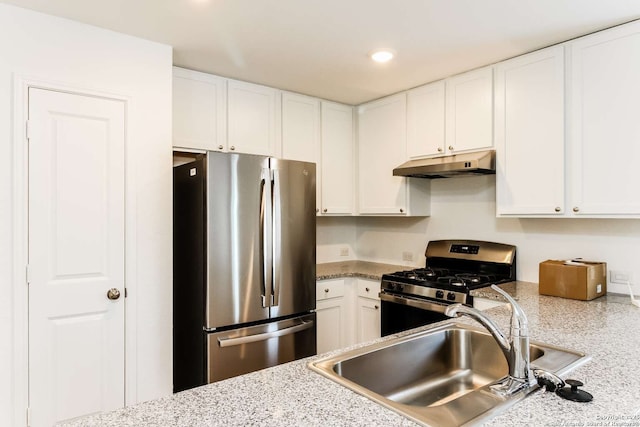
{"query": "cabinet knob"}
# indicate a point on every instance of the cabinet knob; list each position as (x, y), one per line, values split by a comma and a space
(220, 147)
(317, 210)
(376, 307)
(232, 148)
(326, 290)
(324, 210)
(439, 149)
(366, 289)
(451, 148)
(401, 210)
(576, 209)
(558, 209)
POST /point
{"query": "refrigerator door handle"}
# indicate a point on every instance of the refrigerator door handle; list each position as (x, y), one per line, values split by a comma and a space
(229, 342)
(266, 234)
(277, 237)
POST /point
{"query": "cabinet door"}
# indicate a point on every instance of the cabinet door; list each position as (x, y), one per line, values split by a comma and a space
(338, 174)
(368, 319)
(199, 110)
(529, 127)
(301, 133)
(470, 111)
(367, 310)
(331, 311)
(426, 120)
(300, 128)
(253, 114)
(604, 149)
(382, 146)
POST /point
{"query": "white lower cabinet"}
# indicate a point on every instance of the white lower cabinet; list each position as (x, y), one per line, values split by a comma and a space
(348, 312)
(367, 310)
(331, 312)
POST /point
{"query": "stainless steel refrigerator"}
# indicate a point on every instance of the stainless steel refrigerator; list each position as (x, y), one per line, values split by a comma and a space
(244, 265)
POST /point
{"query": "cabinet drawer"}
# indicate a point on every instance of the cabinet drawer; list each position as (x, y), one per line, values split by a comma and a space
(329, 289)
(368, 289)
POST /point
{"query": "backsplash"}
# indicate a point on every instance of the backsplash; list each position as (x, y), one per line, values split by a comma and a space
(465, 208)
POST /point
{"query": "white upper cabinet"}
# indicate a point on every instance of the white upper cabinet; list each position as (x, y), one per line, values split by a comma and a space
(300, 128)
(529, 134)
(253, 119)
(426, 120)
(469, 111)
(338, 160)
(604, 123)
(301, 133)
(199, 110)
(382, 146)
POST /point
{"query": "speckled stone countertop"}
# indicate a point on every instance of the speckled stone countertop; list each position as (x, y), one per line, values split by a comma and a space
(607, 329)
(364, 269)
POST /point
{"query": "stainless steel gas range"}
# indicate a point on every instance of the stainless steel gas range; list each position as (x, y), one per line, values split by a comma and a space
(452, 270)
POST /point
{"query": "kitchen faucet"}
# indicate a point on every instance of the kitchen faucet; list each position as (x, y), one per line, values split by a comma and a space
(515, 348)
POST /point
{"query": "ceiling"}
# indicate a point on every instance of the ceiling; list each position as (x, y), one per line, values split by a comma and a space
(319, 47)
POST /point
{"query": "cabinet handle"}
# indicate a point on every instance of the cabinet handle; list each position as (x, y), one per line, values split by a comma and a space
(401, 210)
(366, 289)
(558, 209)
(232, 148)
(439, 149)
(326, 290)
(576, 209)
(324, 210)
(451, 148)
(376, 307)
(220, 147)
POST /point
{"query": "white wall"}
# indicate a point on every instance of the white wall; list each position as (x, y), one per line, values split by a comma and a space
(334, 234)
(50, 49)
(464, 207)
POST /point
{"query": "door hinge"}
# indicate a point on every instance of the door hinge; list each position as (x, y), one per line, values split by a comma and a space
(28, 274)
(27, 129)
(28, 416)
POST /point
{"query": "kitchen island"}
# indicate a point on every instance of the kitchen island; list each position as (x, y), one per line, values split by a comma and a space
(607, 329)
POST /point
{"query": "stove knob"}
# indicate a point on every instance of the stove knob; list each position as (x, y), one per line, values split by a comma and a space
(439, 294)
(451, 296)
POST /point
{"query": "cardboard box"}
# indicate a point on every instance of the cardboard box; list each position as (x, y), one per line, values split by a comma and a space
(577, 279)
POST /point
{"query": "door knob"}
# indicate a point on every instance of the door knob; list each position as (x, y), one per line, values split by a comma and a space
(113, 294)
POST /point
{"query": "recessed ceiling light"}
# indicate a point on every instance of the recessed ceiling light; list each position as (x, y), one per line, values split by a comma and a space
(382, 55)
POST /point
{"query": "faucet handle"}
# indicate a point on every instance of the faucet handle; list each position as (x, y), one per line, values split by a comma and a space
(548, 380)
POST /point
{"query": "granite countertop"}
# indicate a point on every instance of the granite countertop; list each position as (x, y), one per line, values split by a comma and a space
(607, 329)
(364, 269)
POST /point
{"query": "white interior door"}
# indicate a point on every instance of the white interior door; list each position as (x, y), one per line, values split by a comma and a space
(76, 255)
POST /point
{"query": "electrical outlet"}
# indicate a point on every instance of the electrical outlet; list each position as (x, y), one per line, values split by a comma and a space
(344, 251)
(407, 256)
(619, 276)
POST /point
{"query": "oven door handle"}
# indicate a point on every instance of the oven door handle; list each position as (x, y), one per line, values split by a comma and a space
(413, 302)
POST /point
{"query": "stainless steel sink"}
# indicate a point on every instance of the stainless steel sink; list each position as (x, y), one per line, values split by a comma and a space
(441, 376)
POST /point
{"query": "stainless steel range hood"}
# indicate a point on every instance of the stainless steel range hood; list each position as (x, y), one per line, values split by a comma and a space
(478, 163)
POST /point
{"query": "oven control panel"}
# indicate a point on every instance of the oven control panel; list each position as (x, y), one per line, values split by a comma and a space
(409, 290)
(465, 249)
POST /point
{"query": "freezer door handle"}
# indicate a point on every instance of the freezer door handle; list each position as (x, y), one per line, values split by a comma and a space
(277, 246)
(266, 220)
(230, 342)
